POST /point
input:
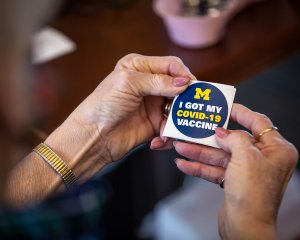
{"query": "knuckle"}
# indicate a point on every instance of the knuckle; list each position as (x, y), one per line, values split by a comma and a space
(197, 172)
(176, 62)
(126, 58)
(240, 134)
(123, 74)
(292, 155)
(199, 154)
(223, 162)
(130, 56)
(175, 59)
(287, 154)
(123, 77)
(239, 138)
(133, 55)
(280, 142)
(262, 118)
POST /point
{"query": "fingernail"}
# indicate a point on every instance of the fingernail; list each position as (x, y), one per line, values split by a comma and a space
(180, 81)
(156, 145)
(176, 160)
(221, 132)
(165, 139)
(174, 143)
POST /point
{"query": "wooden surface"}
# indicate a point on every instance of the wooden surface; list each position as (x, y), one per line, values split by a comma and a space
(256, 39)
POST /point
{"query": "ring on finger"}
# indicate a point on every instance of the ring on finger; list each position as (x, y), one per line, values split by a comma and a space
(269, 129)
(167, 107)
(222, 183)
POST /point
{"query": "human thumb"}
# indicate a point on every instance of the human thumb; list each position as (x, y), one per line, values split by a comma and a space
(160, 85)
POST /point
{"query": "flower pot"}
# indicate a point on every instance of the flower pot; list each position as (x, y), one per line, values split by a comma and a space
(196, 31)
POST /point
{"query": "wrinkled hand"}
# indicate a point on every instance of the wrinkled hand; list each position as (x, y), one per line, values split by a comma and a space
(127, 106)
(256, 172)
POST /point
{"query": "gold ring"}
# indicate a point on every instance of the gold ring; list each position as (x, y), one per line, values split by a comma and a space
(222, 183)
(273, 128)
(167, 107)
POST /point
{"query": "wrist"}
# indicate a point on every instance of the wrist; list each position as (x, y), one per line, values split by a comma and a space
(81, 146)
(240, 226)
(250, 231)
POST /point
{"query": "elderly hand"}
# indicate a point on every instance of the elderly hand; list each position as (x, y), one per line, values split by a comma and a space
(125, 110)
(127, 105)
(256, 172)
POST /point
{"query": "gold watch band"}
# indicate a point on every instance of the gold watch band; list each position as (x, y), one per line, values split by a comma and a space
(56, 163)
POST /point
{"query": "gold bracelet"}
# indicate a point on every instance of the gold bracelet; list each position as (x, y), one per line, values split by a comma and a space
(56, 163)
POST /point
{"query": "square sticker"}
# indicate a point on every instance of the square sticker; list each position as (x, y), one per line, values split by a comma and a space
(198, 111)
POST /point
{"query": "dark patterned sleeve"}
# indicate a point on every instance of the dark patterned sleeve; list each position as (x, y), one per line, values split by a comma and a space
(72, 215)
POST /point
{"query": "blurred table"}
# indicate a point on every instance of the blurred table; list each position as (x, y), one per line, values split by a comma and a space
(257, 38)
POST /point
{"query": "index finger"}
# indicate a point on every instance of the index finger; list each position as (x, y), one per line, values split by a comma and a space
(254, 121)
(168, 65)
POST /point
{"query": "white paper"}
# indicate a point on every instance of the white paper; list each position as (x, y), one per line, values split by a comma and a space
(48, 44)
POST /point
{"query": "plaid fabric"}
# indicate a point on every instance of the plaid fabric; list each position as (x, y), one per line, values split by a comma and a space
(73, 215)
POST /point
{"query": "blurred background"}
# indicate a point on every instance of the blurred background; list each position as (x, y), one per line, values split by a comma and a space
(257, 51)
